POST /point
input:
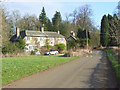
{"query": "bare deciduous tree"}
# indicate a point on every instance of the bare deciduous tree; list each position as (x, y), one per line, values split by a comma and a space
(84, 17)
(29, 22)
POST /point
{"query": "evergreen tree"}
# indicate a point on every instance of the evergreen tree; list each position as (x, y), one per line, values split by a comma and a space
(82, 34)
(56, 20)
(21, 44)
(49, 25)
(43, 18)
(116, 24)
(118, 33)
(110, 19)
(104, 31)
(113, 24)
(63, 30)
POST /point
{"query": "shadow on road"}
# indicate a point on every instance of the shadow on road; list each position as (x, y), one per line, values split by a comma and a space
(103, 75)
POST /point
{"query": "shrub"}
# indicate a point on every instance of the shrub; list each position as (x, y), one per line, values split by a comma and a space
(47, 46)
(68, 54)
(71, 44)
(10, 48)
(16, 47)
(82, 42)
(20, 44)
(53, 48)
(32, 52)
(43, 49)
(60, 47)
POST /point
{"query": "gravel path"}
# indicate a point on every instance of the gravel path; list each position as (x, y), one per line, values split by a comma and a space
(93, 71)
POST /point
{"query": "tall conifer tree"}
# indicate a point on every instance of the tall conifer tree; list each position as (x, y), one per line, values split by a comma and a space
(104, 31)
(43, 18)
(56, 20)
(113, 30)
(49, 25)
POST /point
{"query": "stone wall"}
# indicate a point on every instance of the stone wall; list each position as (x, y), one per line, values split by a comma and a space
(50, 40)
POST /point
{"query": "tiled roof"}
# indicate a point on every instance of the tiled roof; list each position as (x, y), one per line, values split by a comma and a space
(33, 33)
(45, 34)
(71, 38)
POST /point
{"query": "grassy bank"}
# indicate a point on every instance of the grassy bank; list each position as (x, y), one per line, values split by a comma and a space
(14, 68)
(114, 61)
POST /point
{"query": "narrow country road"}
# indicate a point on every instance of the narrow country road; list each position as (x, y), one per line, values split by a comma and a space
(93, 71)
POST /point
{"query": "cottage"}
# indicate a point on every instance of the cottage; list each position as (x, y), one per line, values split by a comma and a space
(40, 38)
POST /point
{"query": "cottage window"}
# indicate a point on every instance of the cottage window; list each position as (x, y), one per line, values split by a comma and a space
(28, 38)
(42, 38)
(51, 39)
(62, 39)
(31, 47)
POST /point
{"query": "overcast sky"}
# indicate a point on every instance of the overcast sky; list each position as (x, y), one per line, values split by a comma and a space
(99, 7)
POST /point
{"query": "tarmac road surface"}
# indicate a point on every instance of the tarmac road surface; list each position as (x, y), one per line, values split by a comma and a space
(93, 71)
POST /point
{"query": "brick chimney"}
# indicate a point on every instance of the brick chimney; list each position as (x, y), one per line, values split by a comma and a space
(17, 32)
(42, 29)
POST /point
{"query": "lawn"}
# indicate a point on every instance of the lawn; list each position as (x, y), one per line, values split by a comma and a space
(14, 68)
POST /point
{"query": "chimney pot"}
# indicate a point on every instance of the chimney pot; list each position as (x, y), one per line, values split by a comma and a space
(42, 29)
(58, 32)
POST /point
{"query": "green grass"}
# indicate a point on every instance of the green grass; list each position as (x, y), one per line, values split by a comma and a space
(99, 49)
(14, 68)
(114, 61)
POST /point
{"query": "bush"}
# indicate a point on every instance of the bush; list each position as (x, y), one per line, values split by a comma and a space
(60, 47)
(20, 44)
(32, 52)
(10, 48)
(71, 44)
(43, 49)
(53, 48)
(47, 46)
(83, 42)
(68, 54)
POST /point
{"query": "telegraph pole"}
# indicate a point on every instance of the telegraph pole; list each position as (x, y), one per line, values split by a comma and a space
(87, 39)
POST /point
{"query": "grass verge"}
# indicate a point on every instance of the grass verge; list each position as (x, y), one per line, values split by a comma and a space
(114, 61)
(14, 68)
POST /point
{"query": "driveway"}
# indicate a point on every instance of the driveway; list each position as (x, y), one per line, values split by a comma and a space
(93, 71)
